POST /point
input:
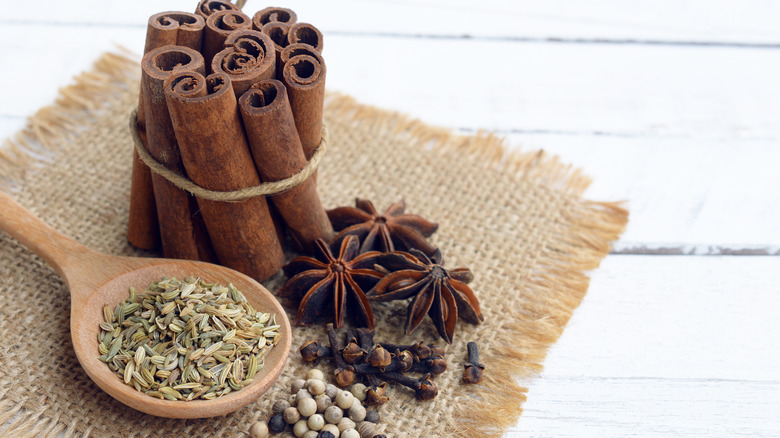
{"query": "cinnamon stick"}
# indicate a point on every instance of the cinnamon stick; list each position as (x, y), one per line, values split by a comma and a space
(278, 154)
(249, 57)
(278, 33)
(216, 155)
(295, 50)
(182, 231)
(273, 14)
(218, 26)
(179, 28)
(307, 34)
(304, 77)
(206, 8)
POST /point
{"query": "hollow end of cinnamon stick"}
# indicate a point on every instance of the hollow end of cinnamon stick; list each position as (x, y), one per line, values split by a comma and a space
(278, 33)
(217, 157)
(219, 25)
(207, 8)
(278, 154)
(174, 28)
(249, 57)
(305, 33)
(273, 14)
(304, 77)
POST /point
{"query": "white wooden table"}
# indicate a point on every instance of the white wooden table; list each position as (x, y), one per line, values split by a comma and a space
(671, 105)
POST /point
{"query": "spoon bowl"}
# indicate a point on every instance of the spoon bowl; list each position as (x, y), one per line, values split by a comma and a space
(96, 280)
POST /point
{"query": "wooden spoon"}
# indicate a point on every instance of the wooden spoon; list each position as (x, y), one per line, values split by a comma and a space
(96, 279)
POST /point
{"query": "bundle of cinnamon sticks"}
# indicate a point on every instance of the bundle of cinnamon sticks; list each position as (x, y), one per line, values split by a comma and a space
(228, 101)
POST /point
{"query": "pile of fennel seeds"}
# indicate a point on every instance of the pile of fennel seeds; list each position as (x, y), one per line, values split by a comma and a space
(186, 340)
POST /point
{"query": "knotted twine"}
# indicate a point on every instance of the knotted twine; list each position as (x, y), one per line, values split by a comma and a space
(262, 189)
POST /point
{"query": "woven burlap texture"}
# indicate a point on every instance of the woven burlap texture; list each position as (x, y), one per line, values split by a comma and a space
(517, 220)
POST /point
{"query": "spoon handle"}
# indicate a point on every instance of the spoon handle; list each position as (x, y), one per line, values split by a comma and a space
(58, 250)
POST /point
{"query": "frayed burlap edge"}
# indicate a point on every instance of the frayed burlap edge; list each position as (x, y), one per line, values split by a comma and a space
(496, 404)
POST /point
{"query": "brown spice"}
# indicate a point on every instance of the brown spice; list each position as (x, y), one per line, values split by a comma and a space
(436, 291)
(334, 283)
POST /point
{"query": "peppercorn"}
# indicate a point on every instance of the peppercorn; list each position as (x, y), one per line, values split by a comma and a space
(300, 428)
(332, 429)
(326, 434)
(307, 407)
(311, 434)
(345, 423)
(302, 394)
(280, 406)
(359, 391)
(291, 415)
(259, 430)
(276, 424)
(332, 391)
(350, 433)
(372, 416)
(345, 400)
(333, 414)
(315, 387)
(314, 373)
(379, 436)
(293, 400)
(323, 402)
(357, 413)
(366, 429)
(316, 422)
(296, 385)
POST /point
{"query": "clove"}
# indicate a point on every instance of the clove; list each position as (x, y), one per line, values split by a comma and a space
(423, 388)
(473, 369)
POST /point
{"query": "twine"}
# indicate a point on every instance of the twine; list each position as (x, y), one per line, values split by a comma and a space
(263, 189)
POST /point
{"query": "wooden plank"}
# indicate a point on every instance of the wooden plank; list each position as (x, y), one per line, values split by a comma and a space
(686, 195)
(628, 407)
(656, 21)
(665, 345)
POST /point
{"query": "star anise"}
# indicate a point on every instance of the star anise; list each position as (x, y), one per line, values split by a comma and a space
(438, 292)
(390, 231)
(330, 283)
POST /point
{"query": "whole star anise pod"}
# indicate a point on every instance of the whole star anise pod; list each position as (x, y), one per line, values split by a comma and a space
(440, 293)
(390, 231)
(333, 283)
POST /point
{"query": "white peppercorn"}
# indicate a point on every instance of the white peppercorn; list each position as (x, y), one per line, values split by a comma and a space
(280, 406)
(307, 407)
(302, 394)
(333, 414)
(323, 402)
(359, 391)
(314, 373)
(366, 429)
(315, 387)
(372, 416)
(316, 422)
(293, 400)
(259, 430)
(296, 385)
(350, 433)
(311, 434)
(332, 391)
(332, 428)
(357, 412)
(344, 400)
(345, 423)
(300, 428)
(291, 415)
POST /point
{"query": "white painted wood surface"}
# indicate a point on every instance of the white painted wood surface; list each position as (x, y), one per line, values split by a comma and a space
(669, 105)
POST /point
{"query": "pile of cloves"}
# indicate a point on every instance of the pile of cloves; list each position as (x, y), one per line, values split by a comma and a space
(377, 364)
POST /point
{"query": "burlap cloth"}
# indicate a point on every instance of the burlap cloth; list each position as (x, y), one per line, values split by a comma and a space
(517, 220)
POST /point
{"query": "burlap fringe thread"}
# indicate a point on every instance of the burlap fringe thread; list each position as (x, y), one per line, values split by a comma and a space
(498, 400)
